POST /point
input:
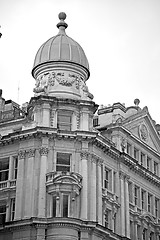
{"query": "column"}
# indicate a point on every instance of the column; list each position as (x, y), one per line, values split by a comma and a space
(122, 218)
(93, 196)
(84, 191)
(10, 170)
(42, 182)
(127, 220)
(19, 186)
(135, 229)
(99, 191)
(29, 194)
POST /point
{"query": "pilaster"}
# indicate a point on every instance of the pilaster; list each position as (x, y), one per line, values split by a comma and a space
(42, 180)
(19, 186)
(84, 193)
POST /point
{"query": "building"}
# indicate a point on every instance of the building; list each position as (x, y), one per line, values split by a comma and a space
(71, 170)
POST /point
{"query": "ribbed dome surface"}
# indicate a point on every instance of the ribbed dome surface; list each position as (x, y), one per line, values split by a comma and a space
(61, 48)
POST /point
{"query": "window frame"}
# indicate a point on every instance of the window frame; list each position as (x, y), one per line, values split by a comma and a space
(61, 165)
(4, 173)
(64, 125)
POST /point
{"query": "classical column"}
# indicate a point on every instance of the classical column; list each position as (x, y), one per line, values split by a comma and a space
(127, 220)
(42, 182)
(19, 186)
(29, 186)
(121, 175)
(99, 191)
(84, 191)
(93, 196)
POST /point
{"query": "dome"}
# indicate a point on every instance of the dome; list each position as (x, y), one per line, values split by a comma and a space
(61, 48)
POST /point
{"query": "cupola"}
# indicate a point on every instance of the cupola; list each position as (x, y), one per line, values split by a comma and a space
(61, 67)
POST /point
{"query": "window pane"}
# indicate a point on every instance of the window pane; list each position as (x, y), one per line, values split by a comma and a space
(65, 205)
(64, 120)
(2, 214)
(54, 206)
(62, 169)
(63, 158)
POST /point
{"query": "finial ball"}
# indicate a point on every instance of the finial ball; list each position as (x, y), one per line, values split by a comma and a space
(62, 16)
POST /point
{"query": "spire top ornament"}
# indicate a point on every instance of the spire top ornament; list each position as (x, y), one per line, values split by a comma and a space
(62, 25)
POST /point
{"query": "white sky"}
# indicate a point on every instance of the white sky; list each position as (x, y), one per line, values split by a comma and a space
(121, 39)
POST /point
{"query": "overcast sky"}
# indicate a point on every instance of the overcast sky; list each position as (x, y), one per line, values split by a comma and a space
(121, 39)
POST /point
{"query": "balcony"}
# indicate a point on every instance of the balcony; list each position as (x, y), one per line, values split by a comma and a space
(8, 185)
(64, 182)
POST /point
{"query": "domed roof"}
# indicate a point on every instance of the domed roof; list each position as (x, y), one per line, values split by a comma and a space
(61, 48)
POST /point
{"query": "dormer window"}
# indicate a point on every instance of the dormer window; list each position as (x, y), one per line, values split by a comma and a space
(64, 120)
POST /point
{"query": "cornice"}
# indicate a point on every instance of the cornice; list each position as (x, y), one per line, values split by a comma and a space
(140, 170)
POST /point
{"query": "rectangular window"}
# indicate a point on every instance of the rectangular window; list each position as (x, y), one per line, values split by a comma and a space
(54, 206)
(149, 163)
(156, 207)
(156, 168)
(130, 191)
(65, 205)
(142, 159)
(4, 169)
(106, 219)
(136, 154)
(2, 214)
(64, 120)
(151, 236)
(136, 195)
(149, 202)
(129, 148)
(12, 213)
(143, 193)
(63, 162)
(95, 122)
(15, 167)
(144, 234)
(107, 178)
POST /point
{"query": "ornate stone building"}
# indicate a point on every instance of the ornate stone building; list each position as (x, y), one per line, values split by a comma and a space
(71, 170)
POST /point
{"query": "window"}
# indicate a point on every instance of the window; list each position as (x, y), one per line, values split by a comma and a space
(149, 202)
(95, 122)
(136, 195)
(107, 175)
(156, 168)
(130, 191)
(4, 169)
(54, 206)
(148, 163)
(15, 167)
(156, 207)
(65, 206)
(136, 152)
(143, 193)
(12, 213)
(64, 120)
(151, 236)
(142, 159)
(63, 162)
(106, 218)
(144, 234)
(129, 148)
(2, 214)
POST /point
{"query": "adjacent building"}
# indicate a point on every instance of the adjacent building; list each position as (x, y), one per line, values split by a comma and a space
(70, 169)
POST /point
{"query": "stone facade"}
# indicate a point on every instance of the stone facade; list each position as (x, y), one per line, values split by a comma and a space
(69, 173)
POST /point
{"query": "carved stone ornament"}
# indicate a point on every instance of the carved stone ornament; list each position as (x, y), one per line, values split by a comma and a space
(22, 154)
(43, 151)
(31, 153)
(43, 81)
(51, 118)
(78, 119)
(65, 79)
(123, 144)
(143, 131)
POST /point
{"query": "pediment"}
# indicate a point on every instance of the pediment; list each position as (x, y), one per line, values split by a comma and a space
(143, 128)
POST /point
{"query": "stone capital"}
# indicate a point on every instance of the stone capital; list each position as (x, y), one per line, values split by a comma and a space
(84, 155)
(22, 154)
(31, 153)
(43, 151)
